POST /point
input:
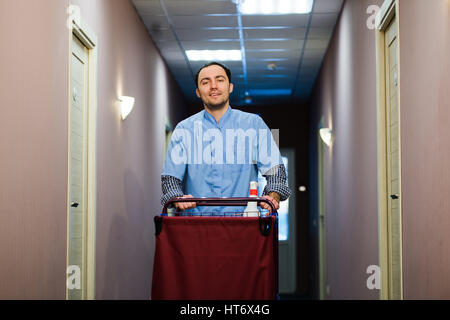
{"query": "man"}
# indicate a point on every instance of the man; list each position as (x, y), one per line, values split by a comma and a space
(218, 151)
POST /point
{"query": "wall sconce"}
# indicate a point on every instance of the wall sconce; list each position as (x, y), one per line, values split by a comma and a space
(327, 135)
(126, 105)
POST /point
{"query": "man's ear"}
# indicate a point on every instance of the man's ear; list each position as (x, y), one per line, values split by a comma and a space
(197, 92)
(231, 87)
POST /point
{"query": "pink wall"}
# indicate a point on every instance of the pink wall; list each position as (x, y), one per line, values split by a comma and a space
(34, 140)
(425, 121)
(345, 96)
(130, 153)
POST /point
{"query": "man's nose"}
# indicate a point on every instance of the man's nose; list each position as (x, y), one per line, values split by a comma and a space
(213, 84)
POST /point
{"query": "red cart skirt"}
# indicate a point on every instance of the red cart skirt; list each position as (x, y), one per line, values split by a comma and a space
(218, 258)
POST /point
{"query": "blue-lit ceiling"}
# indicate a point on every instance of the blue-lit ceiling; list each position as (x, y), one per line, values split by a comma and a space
(282, 54)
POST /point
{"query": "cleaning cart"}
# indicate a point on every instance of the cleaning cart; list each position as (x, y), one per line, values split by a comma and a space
(218, 257)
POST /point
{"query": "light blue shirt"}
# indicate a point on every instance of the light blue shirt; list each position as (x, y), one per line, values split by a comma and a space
(220, 159)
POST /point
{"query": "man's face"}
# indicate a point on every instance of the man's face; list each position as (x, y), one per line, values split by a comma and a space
(214, 87)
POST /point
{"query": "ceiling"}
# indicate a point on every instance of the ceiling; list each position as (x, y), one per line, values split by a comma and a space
(296, 43)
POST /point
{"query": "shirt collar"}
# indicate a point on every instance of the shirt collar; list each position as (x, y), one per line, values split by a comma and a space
(222, 120)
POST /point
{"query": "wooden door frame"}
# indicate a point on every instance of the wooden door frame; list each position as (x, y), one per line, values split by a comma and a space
(85, 34)
(386, 14)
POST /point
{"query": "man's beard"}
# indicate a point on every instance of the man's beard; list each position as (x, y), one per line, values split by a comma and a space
(217, 106)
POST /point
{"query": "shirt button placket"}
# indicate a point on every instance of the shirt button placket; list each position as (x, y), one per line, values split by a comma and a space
(220, 172)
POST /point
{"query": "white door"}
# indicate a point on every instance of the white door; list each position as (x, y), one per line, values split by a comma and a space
(394, 215)
(287, 235)
(77, 226)
(287, 239)
(321, 220)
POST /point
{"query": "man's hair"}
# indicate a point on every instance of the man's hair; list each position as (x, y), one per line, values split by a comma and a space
(227, 71)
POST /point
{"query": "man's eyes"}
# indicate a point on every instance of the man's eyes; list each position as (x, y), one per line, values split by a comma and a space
(205, 82)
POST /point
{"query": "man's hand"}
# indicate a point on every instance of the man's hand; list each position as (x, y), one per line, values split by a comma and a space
(181, 206)
(274, 198)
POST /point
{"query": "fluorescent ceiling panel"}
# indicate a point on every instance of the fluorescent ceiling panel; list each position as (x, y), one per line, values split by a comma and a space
(276, 7)
(214, 55)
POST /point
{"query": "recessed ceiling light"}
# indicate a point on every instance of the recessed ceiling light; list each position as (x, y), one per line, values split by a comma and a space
(276, 6)
(214, 55)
